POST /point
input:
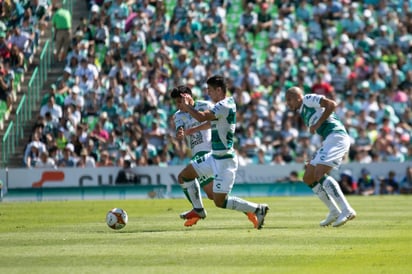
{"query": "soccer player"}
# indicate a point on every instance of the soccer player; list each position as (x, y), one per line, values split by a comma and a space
(317, 113)
(198, 136)
(222, 162)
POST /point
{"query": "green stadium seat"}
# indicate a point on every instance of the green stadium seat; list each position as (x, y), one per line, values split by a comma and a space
(151, 50)
(261, 40)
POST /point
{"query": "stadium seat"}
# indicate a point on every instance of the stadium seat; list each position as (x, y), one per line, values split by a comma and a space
(261, 40)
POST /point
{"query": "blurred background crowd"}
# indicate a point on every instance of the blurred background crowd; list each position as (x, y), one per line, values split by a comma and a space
(112, 101)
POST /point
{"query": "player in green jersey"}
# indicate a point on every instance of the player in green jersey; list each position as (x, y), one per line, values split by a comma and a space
(222, 162)
(317, 113)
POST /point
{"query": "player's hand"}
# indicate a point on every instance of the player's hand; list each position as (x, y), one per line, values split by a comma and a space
(186, 100)
(313, 129)
(180, 134)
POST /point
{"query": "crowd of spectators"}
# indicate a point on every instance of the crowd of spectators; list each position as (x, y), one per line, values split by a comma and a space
(368, 184)
(21, 26)
(112, 101)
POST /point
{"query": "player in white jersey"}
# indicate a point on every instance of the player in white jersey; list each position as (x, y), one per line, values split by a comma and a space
(222, 163)
(317, 113)
(198, 136)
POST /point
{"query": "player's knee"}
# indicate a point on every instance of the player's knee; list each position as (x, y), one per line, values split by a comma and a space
(318, 175)
(209, 196)
(308, 179)
(219, 204)
(219, 201)
(180, 178)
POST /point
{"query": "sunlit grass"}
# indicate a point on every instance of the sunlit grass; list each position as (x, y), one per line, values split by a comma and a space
(72, 237)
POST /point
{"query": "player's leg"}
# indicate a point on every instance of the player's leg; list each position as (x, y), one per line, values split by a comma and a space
(310, 180)
(331, 187)
(330, 156)
(199, 168)
(225, 173)
(191, 188)
(207, 185)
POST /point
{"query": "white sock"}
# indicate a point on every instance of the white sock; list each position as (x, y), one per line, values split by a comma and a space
(193, 191)
(332, 188)
(239, 204)
(324, 197)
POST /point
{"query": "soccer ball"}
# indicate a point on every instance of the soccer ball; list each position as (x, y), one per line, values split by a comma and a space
(116, 218)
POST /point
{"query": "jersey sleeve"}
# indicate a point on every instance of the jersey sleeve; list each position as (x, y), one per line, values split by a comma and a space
(219, 109)
(312, 100)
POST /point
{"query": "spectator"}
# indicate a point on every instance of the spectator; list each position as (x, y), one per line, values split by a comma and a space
(347, 183)
(145, 152)
(86, 69)
(127, 175)
(277, 160)
(62, 23)
(110, 108)
(17, 62)
(179, 13)
(5, 88)
(304, 11)
(85, 160)
(293, 177)
(38, 10)
(321, 87)
(45, 161)
(105, 160)
(406, 182)
(156, 136)
(36, 143)
(54, 109)
(68, 158)
(17, 13)
(33, 156)
(352, 24)
(102, 34)
(65, 82)
(389, 185)
(250, 142)
(61, 139)
(366, 184)
(5, 46)
(264, 18)
(99, 134)
(74, 98)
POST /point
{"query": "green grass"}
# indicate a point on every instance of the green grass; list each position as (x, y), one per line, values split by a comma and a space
(72, 237)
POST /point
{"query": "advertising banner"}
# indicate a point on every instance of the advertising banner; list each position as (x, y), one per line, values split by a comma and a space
(154, 175)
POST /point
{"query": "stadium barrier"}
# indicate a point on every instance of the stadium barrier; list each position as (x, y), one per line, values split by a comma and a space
(159, 182)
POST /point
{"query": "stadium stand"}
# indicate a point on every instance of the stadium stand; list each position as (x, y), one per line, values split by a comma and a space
(126, 56)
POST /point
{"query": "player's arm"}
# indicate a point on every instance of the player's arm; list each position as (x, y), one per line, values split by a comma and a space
(203, 126)
(201, 116)
(330, 107)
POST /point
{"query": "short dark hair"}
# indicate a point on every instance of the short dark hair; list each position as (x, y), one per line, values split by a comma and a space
(217, 81)
(177, 91)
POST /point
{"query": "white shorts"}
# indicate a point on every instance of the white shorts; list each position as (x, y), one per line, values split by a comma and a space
(333, 150)
(222, 170)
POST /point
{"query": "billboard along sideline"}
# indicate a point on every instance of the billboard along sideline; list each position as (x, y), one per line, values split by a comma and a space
(154, 175)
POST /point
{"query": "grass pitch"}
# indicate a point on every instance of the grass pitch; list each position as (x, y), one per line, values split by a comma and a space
(72, 237)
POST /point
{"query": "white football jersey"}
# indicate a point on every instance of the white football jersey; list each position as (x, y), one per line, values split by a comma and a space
(311, 111)
(223, 128)
(198, 141)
